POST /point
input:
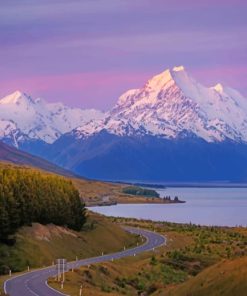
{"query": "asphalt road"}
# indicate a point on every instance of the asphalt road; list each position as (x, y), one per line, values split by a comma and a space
(34, 283)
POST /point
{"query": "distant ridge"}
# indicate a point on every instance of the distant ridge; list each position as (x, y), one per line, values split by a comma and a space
(12, 155)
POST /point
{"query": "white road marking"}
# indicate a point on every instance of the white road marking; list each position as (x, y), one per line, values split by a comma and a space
(55, 290)
(82, 262)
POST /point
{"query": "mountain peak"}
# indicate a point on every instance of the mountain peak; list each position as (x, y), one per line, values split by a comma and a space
(158, 81)
(178, 68)
(17, 93)
(173, 101)
(16, 97)
(219, 88)
(12, 98)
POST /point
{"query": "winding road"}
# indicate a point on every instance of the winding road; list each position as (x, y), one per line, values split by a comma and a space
(34, 283)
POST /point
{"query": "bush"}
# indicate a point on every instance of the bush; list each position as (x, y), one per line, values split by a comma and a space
(134, 190)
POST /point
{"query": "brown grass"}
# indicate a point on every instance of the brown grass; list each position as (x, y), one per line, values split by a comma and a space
(228, 278)
(203, 267)
(92, 193)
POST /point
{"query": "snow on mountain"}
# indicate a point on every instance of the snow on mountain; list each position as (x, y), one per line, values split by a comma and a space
(23, 117)
(118, 126)
(172, 103)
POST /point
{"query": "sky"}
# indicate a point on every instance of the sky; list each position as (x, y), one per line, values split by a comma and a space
(86, 53)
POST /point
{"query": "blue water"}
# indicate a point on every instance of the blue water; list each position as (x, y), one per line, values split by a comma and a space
(205, 206)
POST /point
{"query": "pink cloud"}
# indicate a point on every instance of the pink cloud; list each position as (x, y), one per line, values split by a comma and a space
(81, 89)
(79, 81)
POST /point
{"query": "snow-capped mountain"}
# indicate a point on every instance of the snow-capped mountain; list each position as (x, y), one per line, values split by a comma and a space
(172, 104)
(22, 118)
(171, 129)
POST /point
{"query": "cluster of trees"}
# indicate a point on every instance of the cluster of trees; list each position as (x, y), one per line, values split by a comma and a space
(176, 199)
(27, 196)
(135, 190)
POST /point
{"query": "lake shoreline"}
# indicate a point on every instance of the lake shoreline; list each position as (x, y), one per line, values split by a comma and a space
(136, 201)
(204, 206)
(164, 185)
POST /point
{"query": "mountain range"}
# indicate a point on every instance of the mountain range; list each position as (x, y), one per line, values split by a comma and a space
(23, 119)
(171, 129)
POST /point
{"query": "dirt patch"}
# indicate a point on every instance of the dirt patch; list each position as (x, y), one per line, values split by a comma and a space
(46, 232)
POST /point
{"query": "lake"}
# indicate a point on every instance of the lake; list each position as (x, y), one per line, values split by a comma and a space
(205, 206)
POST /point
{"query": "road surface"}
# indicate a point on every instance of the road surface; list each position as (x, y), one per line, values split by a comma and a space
(34, 283)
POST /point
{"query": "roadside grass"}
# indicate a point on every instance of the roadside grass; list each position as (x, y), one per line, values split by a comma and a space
(127, 276)
(39, 245)
(193, 253)
(196, 261)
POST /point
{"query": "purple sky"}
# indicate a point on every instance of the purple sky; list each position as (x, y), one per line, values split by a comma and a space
(88, 52)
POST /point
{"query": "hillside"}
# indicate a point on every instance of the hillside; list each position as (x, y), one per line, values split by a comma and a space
(92, 192)
(106, 156)
(96, 193)
(226, 278)
(195, 258)
(39, 245)
(15, 156)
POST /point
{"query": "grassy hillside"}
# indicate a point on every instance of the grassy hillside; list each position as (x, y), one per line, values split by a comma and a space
(93, 193)
(205, 259)
(40, 245)
(227, 278)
